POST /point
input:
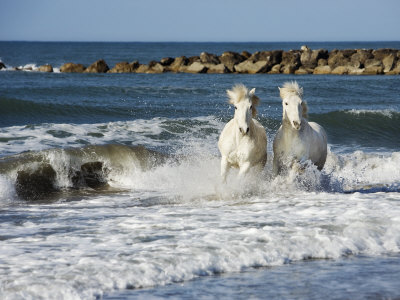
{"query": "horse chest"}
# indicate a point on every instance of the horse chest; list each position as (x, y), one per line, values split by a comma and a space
(241, 151)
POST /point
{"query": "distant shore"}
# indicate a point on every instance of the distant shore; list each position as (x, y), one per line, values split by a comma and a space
(302, 61)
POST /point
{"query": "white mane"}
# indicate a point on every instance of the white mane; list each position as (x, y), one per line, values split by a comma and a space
(290, 88)
(293, 89)
(239, 92)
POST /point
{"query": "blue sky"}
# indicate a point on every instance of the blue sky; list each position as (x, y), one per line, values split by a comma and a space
(200, 20)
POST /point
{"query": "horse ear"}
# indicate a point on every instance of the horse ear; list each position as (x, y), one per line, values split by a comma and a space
(253, 90)
(231, 95)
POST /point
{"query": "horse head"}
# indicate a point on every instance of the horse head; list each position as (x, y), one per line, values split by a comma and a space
(245, 103)
(294, 108)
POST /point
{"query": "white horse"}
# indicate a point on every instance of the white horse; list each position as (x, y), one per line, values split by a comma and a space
(243, 141)
(297, 140)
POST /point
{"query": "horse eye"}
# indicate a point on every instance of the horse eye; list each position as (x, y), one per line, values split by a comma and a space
(285, 103)
(251, 106)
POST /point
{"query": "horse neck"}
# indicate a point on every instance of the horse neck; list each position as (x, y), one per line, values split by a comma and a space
(287, 127)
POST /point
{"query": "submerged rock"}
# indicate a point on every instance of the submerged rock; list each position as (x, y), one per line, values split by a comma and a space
(72, 68)
(99, 66)
(36, 183)
(46, 68)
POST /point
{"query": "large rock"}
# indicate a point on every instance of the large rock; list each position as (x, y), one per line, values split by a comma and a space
(323, 70)
(291, 58)
(156, 68)
(303, 71)
(143, 68)
(373, 62)
(72, 68)
(99, 66)
(289, 69)
(217, 69)
(178, 64)
(373, 70)
(36, 183)
(389, 62)
(340, 58)
(166, 61)
(309, 58)
(350, 70)
(251, 67)
(358, 59)
(2, 65)
(46, 68)
(208, 58)
(380, 54)
(275, 69)
(124, 67)
(395, 70)
(193, 59)
(230, 59)
(196, 67)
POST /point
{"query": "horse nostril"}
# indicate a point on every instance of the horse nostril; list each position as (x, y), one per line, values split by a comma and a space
(296, 124)
(248, 129)
(240, 129)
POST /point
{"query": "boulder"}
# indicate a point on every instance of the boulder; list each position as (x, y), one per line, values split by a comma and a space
(380, 54)
(322, 70)
(193, 59)
(291, 58)
(36, 183)
(389, 62)
(156, 68)
(124, 67)
(99, 66)
(166, 61)
(303, 71)
(276, 69)
(72, 68)
(2, 65)
(309, 58)
(373, 62)
(395, 70)
(342, 70)
(288, 69)
(217, 69)
(46, 68)
(230, 59)
(373, 70)
(251, 67)
(358, 59)
(245, 54)
(322, 62)
(208, 58)
(178, 64)
(91, 174)
(339, 58)
(196, 67)
(142, 68)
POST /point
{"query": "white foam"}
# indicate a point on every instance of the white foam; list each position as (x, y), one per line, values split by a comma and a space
(385, 112)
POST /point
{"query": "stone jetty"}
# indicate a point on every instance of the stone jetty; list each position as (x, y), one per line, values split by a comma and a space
(302, 61)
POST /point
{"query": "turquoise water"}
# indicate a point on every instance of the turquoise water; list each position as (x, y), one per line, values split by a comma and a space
(166, 226)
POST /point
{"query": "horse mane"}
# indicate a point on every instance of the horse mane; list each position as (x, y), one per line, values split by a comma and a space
(238, 93)
(293, 88)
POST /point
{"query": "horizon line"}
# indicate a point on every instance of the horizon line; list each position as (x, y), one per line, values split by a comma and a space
(303, 41)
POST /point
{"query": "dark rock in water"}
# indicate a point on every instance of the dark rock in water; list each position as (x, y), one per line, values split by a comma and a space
(72, 68)
(252, 67)
(230, 59)
(124, 67)
(208, 58)
(99, 66)
(245, 54)
(358, 59)
(178, 64)
(36, 184)
(309, 58)
(290, 61)
(2, 66)
(46, 68)
(196, 67)
(92, 174)
(166, 61)
(155, 68)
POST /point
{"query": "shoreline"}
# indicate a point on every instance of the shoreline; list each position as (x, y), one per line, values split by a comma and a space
(301, 61)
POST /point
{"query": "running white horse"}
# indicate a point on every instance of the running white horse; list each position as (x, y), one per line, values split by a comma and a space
(297, 140)
(243, 141)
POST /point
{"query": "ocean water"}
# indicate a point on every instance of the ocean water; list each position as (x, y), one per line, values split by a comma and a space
(163, 224)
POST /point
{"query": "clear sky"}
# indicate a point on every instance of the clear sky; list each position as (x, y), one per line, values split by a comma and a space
(200, 20)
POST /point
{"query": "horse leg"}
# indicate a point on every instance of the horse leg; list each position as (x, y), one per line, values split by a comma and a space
(244, 168)
(224, 168)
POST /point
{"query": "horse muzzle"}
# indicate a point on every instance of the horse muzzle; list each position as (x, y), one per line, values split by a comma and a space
(244, 131)
(296, 125)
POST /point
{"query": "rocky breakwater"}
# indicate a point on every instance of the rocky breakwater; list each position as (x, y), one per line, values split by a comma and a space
(303, 61)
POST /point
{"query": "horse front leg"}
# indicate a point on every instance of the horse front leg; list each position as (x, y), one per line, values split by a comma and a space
(224, 168)
(244, 168)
